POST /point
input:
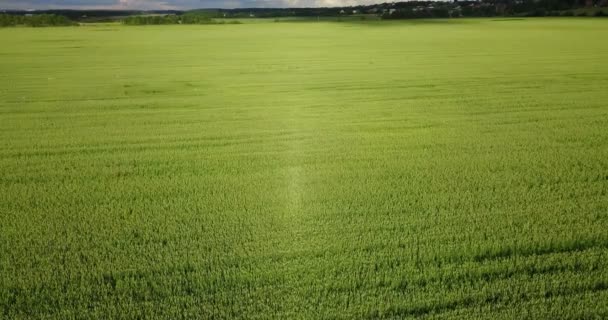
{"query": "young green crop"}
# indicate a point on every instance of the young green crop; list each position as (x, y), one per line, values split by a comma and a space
(441, 169)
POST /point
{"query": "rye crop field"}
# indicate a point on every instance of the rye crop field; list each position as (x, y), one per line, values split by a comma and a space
(305, 170)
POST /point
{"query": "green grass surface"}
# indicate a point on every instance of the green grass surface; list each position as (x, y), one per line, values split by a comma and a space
(305, 170)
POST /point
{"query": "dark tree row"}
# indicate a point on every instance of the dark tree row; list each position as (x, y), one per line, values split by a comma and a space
(490, 8)
(393, 10)
(187, 18)
(38, 20)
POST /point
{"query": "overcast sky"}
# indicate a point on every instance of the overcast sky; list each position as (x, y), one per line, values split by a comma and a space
(174, 4)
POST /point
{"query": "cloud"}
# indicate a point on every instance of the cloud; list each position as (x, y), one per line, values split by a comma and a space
(173, 4)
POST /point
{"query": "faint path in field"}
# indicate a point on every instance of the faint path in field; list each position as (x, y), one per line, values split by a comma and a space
(295, 176)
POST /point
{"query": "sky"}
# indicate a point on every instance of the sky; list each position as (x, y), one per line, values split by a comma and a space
(174, 4)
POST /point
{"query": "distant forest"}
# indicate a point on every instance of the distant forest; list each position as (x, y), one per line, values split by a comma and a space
(37, 20)
(397, 10)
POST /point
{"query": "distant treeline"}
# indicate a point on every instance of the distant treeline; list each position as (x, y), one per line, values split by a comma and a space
(392, 10)
(93, 15)
(187, 18)
(37, 20)
(425, 9)
(529, 8)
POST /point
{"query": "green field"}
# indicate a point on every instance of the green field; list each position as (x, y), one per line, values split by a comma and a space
(305, 170)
